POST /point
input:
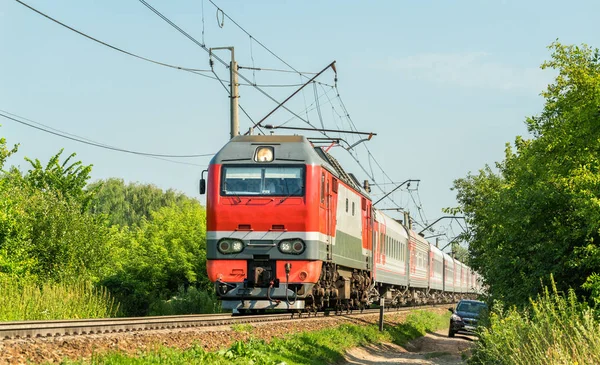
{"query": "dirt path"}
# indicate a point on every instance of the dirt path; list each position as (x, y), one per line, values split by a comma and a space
(434, 348)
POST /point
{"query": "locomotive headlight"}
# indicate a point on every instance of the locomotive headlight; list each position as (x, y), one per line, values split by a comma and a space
(285, 246)
(237, 246)
(227, 246)
(298, 246)
(264, 154)
(295, 246)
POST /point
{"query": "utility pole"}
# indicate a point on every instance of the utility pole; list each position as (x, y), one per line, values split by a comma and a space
(233, 91)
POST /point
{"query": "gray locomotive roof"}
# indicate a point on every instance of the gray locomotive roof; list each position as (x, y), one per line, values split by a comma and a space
(287, 150)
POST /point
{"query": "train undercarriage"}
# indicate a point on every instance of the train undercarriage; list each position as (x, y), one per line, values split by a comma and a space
(339, 288)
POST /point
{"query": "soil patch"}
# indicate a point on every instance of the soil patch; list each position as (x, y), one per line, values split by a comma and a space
(432, 349)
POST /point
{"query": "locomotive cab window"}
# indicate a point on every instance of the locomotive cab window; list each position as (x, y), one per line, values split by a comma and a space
(262, 181)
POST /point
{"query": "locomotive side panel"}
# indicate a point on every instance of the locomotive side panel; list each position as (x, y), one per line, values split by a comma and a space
(348, 247)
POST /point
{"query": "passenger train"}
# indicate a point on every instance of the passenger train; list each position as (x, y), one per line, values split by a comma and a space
(289, 229)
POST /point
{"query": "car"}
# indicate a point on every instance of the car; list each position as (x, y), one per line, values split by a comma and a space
(465, 317)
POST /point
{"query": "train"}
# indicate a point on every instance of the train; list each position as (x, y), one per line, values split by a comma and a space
(288, 229)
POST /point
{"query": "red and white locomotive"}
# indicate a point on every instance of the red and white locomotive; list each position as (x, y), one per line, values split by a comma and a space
(289, 229)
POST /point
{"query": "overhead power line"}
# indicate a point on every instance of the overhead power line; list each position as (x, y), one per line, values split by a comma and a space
(370, 175)
(187, 35)
(111, 46)
(370, 155)
(196, 71)
(257, 41)
(72, 137)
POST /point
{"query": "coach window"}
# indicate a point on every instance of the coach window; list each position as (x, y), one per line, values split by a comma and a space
(346, 205)
(352, 208)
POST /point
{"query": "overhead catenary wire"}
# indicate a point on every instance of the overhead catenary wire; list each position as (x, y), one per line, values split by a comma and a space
(110, 45)
(229, 93)
(168, 21)
(371, 175)
(256, 40)
(87, 141)
(197, 71)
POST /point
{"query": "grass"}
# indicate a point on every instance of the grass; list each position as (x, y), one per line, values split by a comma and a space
(27, 301)
(242, 327)
(317, 347)
(556, 329)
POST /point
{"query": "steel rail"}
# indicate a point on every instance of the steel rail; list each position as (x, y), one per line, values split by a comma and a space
(55, 328)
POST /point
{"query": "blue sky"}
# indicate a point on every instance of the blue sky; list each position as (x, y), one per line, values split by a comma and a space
(444, 84)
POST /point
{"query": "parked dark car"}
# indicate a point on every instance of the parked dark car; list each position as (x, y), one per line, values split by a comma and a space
(465, 317)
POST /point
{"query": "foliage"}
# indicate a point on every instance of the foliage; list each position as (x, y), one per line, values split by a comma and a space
(146, 246)
(417, 324)
(45, 237)
(540, 213)
(128, 204)
(5, 152)
(555, 330)
(187, 301)
(66, 180)
(317, 347)
(22, 301)
(157, 257)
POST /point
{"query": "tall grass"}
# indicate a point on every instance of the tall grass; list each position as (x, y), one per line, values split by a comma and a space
(28, 301)
(556, 329)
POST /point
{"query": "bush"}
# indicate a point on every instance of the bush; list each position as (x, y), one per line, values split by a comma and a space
(555, 329)
(154, 259)
(187, 301)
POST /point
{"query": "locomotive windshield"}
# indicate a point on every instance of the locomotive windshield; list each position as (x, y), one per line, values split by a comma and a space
(263, 180)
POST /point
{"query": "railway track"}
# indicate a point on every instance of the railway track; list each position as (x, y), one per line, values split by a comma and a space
(32, 329)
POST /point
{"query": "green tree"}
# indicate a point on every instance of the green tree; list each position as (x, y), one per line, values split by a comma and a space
(539, 214)
(157, 257)
(127, 204)
(45, 234)
(67, 180)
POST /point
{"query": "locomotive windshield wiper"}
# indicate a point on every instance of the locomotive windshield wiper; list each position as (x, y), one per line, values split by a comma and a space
(228, 193)
(299, 189)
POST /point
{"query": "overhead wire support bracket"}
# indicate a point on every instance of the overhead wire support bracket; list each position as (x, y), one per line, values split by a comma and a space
(370, 134)
(439, 219)
(258, 124)
(396, 188)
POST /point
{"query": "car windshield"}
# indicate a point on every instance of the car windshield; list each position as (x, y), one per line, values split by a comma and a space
(471, 307)
(262, 180)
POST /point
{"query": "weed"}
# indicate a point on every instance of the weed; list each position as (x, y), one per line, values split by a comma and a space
(242, 327)
(29, 301)
(556, 329)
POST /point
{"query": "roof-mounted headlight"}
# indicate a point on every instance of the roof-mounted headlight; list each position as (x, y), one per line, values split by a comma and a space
(264, 154)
